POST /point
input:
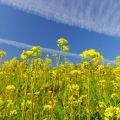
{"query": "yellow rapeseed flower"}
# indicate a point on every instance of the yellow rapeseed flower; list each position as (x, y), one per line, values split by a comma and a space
(47, 107)
(66, 48)
(102, 81)
(92, 54)
(36, 50)
(1, 103)
(10, 88)
(109, 112)
(62, 41)
(33, 52)
(75, 72)
(26, 54)
(23, 55)
(47, 61)
(9, 103)
(13, 112)
(114, 95)
(117, 60)
(117, 112)
(75, 87)
(105, 118)
(101, 104)
(72, 98)
(88, 53)
(3, 53)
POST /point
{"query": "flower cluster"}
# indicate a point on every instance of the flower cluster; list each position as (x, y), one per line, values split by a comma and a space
(92, 54)
(62, 41)
(10, 88)
(33, 52)
(62, 44)
(112, 112)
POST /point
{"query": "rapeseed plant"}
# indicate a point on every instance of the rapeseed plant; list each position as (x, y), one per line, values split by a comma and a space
(33, 89)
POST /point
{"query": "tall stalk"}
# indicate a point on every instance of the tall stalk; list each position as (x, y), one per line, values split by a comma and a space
(88, 91)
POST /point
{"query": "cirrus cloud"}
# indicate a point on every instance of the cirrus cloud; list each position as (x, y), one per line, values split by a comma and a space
(96, 15)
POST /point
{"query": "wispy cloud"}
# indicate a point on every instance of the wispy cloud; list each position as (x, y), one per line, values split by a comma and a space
(97, 15)
(27, 46)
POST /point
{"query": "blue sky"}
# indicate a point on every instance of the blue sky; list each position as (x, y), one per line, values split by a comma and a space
(32, 29)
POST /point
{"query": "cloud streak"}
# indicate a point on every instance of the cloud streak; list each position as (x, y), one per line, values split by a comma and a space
(27, 46)
(101, 16)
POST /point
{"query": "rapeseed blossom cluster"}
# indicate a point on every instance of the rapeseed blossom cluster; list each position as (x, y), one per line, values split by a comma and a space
(62, 44)
(10, 88)
(62, 41)
(13, 112)
(2, 53)
(111, 112)
(33, 52)
(66, 48)
(75, 72)
(92, 54)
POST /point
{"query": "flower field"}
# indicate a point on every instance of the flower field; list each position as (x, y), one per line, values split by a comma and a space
(32, 89)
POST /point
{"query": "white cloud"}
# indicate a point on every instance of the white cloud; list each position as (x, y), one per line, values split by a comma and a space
(97, 15)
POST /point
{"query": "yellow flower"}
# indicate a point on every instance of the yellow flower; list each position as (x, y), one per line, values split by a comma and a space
(102, 81)
(114, 95)
(47, 61)
(1, 103)
(66, 48)
(47, 107)
(109, 112)
(23, 55)
(105, 118)
(29, 53)
(72, 98)
(101, 104)
(75, 87)
(62, 41)
(117, 60)
(9, 103)
(13, 112)
(75, 72)
(92, 54)
(117, 112)
(10, 88)
(3, 53)
(54, 73)
(36, 50)
(26, 54)
(29, 102)
(88, 53)
(112, 111)
(84, 65)
(80, 99)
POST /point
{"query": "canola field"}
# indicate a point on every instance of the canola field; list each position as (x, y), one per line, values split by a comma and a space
(32, 89)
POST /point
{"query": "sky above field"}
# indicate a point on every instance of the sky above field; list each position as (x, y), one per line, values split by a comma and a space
(86, 24)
